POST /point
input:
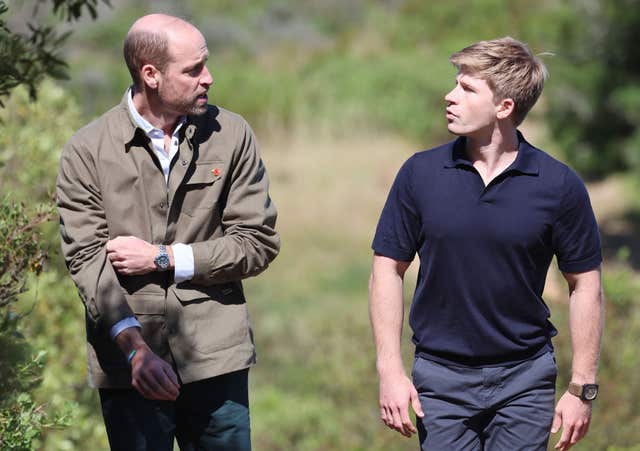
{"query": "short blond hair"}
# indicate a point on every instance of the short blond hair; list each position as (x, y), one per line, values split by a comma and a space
(509, 68)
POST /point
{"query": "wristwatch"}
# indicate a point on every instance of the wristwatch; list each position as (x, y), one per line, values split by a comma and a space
(162, 259)
(586, 392)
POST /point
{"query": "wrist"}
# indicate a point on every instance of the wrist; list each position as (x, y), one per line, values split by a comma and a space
(390, 370)
(131, 355)
(129, 340)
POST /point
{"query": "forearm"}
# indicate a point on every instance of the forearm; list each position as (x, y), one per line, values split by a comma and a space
(386, 314)
(586, 321)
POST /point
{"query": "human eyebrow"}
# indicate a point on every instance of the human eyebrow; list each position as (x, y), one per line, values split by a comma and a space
(467, 86)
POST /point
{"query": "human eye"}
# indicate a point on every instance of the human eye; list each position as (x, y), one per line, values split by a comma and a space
(195, 70)
(467, 88)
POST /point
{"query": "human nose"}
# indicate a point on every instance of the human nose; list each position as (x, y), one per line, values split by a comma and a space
(207, 78)
(450, 97)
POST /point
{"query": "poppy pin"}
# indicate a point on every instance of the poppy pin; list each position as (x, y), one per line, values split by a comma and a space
(215, 172)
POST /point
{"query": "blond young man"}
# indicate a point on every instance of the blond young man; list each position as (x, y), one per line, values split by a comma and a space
(486, 213)
(164, 209)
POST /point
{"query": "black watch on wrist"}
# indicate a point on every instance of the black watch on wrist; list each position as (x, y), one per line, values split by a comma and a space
(162, 259)
(586, 392)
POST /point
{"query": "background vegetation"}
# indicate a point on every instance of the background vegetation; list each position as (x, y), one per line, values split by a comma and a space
(340, 94)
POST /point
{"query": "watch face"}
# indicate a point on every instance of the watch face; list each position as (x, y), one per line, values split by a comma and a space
(162, 261)
(590, 392)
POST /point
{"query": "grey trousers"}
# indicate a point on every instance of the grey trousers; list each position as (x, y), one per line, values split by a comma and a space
(494, 408)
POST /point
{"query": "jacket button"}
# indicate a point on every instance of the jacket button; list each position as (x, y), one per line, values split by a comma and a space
(161, 204)
(184, 162)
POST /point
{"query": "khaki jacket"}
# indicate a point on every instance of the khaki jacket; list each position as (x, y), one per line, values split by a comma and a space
(110, 184)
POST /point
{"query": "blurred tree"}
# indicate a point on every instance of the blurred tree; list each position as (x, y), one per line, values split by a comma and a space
(595, 103)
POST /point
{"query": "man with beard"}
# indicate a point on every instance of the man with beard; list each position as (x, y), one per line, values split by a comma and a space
(486, 213)
(164, 209)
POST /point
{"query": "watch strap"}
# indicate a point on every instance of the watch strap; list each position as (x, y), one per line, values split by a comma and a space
(575, 389)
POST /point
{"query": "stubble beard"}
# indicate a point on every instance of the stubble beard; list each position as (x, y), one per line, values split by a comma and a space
(185, 106)
(197, 110)
(192, 108)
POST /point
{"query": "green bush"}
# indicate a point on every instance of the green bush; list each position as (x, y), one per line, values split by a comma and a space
(22, 419)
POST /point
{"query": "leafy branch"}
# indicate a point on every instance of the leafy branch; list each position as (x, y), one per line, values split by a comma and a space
(25, 59)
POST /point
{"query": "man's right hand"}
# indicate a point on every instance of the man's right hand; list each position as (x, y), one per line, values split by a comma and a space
(396, 393)
(151, 376)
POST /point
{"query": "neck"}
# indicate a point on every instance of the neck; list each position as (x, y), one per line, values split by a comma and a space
(491, 153)
(151, 111)
(493, 147)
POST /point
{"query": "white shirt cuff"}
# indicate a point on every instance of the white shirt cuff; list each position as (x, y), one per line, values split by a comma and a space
(184, 265)
(129, 321)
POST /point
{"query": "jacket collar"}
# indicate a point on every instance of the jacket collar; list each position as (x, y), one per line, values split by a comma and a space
(134, 136)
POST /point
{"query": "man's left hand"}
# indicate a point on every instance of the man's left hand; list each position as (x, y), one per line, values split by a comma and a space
(572, 415)
(131, 256)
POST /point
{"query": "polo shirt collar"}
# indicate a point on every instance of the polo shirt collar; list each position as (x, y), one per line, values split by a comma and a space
(525, 163)
(527, 159)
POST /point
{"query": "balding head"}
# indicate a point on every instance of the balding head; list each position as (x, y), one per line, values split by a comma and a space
(148, 41)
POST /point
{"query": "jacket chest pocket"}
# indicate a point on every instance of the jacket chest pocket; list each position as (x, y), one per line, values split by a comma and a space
(204, 187)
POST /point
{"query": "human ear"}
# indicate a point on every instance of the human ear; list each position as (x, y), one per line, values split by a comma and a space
(150, 75)
(505, 108)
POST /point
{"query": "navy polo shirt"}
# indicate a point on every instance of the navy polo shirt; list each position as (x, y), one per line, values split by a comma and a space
(485, 251)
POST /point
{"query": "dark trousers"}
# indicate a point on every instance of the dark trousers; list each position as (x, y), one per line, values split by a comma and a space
(211, 414)
(494, 408)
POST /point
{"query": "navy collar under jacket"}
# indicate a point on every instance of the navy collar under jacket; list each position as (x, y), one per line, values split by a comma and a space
(525, 162)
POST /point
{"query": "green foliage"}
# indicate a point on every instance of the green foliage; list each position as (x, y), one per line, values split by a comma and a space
(49, 312)
(32, 137)
(20, 251)
(595, 85)
(27, 58)
(22, 420)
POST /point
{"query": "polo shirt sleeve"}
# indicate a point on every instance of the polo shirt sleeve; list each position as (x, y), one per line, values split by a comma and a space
(576, 240)
(399, 226)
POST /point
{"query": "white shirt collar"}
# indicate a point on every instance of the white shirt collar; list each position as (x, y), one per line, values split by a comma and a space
(142, 122)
